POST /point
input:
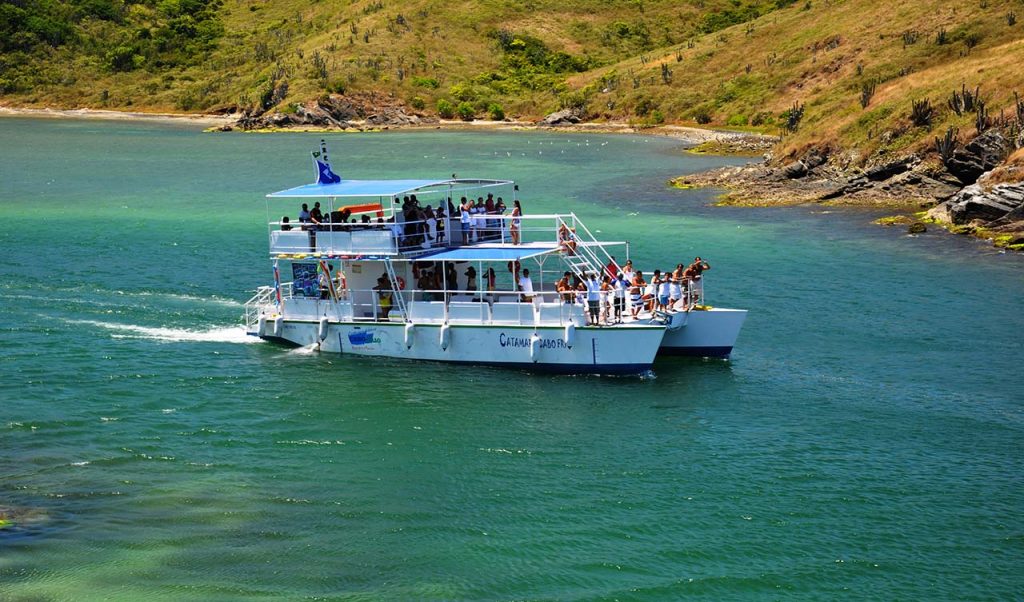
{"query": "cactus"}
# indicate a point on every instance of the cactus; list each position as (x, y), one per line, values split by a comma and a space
(794, 115)
(1011, 18)
(666, 74)
(941, 37)
(946, 145)
(910, 37)
(922, 112)
(867, 90)
(981, 120)
(964, 101)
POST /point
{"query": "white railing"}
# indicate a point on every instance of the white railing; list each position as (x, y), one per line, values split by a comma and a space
(263, 297)
(413, 238)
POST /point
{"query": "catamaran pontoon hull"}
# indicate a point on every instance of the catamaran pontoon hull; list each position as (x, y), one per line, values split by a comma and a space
(552, 349)
(703, 333)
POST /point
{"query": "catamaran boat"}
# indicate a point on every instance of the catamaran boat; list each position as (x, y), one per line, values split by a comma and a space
(369, 278)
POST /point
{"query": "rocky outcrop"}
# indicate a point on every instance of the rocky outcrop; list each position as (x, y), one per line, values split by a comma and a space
(982, 154)
(335, 111)
(1000, 205)
(563, 117)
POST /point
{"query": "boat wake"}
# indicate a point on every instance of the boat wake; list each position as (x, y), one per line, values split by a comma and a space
(218, 334)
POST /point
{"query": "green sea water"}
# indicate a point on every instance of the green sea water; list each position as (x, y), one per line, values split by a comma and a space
(863, 443)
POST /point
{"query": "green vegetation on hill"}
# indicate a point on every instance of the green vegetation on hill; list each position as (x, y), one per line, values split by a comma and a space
(825, 72)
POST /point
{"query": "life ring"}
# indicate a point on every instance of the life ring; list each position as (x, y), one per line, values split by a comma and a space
(401, 283)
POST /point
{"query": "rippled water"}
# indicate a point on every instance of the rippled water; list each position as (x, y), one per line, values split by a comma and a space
(863, 443)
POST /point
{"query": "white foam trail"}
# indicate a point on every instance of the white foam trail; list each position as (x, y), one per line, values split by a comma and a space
(307, 350)
(218, 334)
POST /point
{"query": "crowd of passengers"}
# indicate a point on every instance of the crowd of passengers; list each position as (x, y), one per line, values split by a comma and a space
(423, 226)
(604, 295)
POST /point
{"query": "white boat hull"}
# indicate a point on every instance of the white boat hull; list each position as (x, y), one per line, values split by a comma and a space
(707, 333)
(614, 350)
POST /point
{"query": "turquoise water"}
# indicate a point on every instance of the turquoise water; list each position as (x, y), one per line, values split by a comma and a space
(864, 442)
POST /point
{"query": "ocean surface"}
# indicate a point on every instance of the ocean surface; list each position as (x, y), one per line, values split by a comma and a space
(865, 441)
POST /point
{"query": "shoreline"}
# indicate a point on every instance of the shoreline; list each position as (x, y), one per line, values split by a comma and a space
(688, 134)
(108, 115)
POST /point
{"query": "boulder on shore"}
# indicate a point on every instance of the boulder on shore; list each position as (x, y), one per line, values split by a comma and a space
(563, 117)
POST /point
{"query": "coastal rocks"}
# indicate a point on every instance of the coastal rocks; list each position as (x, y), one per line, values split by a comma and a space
(795, 170)
(974, 203)
(334, 111)
(563, 117)
(982, 154)
(997, 214)
(887, 170)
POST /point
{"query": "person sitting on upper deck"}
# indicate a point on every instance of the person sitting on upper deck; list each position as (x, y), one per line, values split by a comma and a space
(285, 224)
(569, 244)
(304, 216)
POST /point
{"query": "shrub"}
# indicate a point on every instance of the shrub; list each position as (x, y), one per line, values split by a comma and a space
(417, 103)
(737, 120)
(336, 86)
(445, 109)
(426, 82)
(657, 116)
(497, 113)
(702, 116)
(466, 111)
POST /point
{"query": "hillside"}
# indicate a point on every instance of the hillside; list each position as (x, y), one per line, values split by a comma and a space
(194, 55)
(833, 74)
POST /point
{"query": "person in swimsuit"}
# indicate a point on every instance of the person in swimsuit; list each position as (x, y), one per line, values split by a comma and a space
(635, 298)
(565, 288)
(517, 212)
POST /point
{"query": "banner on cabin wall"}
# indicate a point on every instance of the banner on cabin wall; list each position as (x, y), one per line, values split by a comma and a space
(304, 280)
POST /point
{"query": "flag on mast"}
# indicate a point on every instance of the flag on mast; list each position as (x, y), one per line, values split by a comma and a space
(324, 175)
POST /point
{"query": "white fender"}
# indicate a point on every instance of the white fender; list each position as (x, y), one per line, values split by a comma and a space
(410, 334)
(322, 330)
(446, 335)
(261, 326)
(534, 347)
(278, 325)
(570, 334)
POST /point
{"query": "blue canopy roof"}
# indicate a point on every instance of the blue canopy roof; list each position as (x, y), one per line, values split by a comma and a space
(373, 188)
(514, 253)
